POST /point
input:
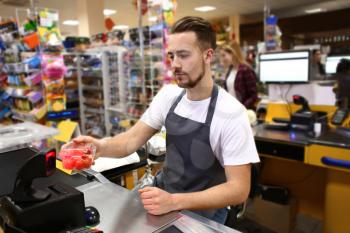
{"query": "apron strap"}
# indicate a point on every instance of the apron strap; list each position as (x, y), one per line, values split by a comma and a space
(177, 101)
(212, 104)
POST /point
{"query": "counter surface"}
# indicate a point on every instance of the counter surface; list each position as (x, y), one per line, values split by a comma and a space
(261, 132)
(333, 137)
(122, 211)
(336, 138)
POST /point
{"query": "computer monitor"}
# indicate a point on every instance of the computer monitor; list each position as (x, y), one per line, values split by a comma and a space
(332, 62)
(285, 67)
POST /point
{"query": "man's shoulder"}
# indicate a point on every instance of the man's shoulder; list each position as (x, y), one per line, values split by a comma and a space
(228, 110)
(169, 92)
(227, 103)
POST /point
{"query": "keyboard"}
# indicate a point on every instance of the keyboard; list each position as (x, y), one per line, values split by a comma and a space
(84, 230)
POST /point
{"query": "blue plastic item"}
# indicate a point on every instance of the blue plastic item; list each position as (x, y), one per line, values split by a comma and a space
(335, 162)
(33, 62)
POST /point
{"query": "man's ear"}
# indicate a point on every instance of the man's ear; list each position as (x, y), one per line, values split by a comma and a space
(208, 56)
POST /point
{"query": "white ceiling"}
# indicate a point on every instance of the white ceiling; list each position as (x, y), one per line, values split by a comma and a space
(127, 14)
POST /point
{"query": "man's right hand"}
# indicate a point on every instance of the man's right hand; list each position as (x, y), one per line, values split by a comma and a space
(99, 143)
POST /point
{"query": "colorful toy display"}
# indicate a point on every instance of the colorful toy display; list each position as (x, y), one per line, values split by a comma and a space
(22, 70)
(48, 30)
(53, 71)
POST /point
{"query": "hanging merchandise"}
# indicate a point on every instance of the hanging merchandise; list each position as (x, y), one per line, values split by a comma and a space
(48, 28)
(166, 9)
(169, 9)
(30, 34)
(53, 71)
(32, 40)
(144, 6)
(272, 34)
(109, 24)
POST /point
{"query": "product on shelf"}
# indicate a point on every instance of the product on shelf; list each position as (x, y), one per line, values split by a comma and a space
(22, 68)
(53, 71)
(76, 43)
(48, 30)
(71, 82)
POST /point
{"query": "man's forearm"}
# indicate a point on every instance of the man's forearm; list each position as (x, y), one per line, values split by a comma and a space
(218, 196)
(127, 143)
(120, 145)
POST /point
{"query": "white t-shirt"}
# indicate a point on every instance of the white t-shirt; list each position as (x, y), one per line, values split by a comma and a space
(231, 137)
(230, 82)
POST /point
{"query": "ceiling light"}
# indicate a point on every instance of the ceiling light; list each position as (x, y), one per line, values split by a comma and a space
(121, 27)
(71, 22)
(313, 11)
(152, 19)
(108, 12)
(205, 8)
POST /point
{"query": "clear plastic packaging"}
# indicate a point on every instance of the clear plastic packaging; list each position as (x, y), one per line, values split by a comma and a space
(19, 135)
(77, 156)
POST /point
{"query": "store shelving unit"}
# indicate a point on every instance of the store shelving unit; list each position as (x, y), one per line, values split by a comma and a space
(28, 103)
(101, 89)
(21, 65)
(142, 89)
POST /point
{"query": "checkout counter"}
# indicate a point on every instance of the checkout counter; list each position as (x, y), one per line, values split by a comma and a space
(119, 209)
(315, 169)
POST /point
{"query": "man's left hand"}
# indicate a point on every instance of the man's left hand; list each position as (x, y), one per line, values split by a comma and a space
(157, 201)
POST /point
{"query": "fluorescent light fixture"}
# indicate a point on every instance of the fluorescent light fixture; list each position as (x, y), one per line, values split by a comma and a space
(313, 11)
(205, 8)
(121, 27)
(153, 18)
(71, 22)
(108, 12)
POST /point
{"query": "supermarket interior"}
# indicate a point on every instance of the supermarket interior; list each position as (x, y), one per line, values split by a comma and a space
(172, 116)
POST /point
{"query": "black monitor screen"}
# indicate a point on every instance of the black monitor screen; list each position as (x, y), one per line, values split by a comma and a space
(284, 67)
(332, 62)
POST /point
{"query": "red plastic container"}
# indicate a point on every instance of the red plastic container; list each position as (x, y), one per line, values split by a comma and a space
(77, 156)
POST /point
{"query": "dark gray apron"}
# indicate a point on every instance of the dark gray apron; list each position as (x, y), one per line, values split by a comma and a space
(190, 164)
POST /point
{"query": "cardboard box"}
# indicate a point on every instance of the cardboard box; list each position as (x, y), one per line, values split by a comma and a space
(276, 217)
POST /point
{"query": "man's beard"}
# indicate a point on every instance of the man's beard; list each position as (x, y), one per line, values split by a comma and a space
(190, 83)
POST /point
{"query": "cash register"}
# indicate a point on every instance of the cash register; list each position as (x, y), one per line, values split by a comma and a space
(27, 208)
(303, 119)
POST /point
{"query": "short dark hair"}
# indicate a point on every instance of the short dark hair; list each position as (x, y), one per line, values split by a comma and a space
(205, 33)
(343, 66)
(314, 51)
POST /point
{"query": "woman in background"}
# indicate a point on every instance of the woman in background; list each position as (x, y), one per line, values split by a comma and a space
(240, 78)
(342, 88)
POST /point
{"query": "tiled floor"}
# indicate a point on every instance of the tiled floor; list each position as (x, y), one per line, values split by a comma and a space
(304, 224)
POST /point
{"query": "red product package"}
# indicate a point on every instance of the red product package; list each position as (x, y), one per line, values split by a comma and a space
(77, 155)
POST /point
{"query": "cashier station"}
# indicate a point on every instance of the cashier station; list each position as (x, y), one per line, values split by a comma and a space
(37, 198)
(306, 149)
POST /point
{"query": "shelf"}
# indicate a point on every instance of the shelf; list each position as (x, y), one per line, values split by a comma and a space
(92, 110)
(73, 77)
(72, 100)
(116, 109)
(92, 88)
(91, 69)
(22, 116)
(136, 104)
(24, 72)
